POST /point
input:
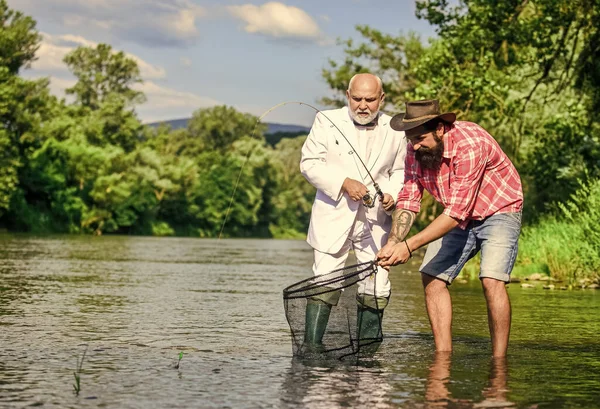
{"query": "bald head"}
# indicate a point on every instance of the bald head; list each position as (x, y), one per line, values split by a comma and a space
(366, 80)
(365, 96)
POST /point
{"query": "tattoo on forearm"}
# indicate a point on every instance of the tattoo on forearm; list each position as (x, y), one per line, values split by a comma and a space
(402, 221)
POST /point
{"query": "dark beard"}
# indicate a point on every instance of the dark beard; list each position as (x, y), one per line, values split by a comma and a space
(431, 158)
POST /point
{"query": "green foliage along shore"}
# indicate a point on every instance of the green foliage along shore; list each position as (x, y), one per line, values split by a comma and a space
(90, 166)
(529, 72)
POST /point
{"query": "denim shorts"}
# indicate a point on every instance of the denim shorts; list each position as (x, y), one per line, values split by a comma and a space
(497, 237)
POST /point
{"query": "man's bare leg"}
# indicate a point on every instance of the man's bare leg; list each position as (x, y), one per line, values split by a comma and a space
(499, 314)
(439, 310)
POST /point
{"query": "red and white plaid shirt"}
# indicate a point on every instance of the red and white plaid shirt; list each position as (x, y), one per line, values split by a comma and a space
(475, 179)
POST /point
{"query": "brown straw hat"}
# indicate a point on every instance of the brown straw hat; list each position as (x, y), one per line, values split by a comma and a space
(419, 112)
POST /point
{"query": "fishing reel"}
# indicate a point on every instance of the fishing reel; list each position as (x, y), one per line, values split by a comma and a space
(368, 200)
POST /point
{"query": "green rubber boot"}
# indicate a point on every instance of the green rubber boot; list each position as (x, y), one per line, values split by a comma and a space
(317, 316)
(369, 330)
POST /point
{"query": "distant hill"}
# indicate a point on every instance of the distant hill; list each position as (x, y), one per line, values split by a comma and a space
(273, 128)
(174, 123)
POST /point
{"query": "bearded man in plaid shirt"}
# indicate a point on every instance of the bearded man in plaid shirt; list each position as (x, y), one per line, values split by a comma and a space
(462, 167)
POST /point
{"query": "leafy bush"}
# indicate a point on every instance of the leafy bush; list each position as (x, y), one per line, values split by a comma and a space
(566, 244)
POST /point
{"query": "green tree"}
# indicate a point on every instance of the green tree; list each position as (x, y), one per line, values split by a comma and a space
(19, 39)
(101, 73)
(55, 186)
(546, 115)
(128, 195)
(105, 96)
(174, 209)
(217, 128)
(113, 124)
(293, 199)
(216, 189)
(555, 39)
(390, 57)
(23, 104)
(524, 70)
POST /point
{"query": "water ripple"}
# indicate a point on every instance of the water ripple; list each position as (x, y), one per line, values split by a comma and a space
(133, 304)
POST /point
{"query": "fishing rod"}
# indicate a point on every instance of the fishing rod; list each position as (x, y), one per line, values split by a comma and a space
(368, 200)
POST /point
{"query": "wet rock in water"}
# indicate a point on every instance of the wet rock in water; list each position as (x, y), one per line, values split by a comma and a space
(548, 287)
(525, 285)
(593, 286)
(462, 281)
(515, 280)
(534, 277)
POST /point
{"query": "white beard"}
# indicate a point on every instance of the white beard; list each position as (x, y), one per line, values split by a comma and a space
(362, 120)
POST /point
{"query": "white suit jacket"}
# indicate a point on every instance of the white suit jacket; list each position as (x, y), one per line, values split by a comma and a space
(328, 159)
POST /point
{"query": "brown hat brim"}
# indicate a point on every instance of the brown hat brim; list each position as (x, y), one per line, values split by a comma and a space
(397, 124)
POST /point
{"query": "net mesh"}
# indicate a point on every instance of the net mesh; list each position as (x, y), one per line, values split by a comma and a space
(328, 318)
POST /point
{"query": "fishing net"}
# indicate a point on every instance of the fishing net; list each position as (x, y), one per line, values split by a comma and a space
(328, 318)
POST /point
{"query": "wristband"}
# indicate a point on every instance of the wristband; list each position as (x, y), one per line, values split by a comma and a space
(408, 248)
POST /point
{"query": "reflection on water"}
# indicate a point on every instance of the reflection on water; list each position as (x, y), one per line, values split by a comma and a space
(136, 303)
(494, 394)
(319, 385)
(436, 392)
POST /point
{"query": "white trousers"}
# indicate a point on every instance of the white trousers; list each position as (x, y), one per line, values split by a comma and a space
(360, 240)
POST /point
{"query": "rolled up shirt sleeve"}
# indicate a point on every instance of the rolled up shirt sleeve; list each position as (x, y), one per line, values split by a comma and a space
(409, 198)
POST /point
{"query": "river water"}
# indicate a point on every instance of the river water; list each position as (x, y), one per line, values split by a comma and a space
(132, 304)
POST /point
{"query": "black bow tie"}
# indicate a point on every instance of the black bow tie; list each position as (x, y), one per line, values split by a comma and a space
(369, 125)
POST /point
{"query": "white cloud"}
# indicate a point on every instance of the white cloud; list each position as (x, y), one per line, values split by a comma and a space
(278, 20)
(165, 103)
(162, 103)
(59, 85)
(164, 97)
(53, 49)
(147, 70)
(147, 22)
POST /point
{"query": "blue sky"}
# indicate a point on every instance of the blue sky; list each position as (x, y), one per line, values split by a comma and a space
(193, 54)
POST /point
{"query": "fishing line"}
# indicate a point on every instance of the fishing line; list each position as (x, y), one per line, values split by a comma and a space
(375, 185)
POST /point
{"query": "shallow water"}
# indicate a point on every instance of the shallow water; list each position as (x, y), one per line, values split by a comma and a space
(133, 304)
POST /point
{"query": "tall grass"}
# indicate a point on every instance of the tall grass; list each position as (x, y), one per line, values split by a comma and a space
(559, 248)
(567, 244)
(77, 373)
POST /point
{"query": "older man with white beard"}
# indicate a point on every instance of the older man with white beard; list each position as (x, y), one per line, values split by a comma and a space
(340, 221)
